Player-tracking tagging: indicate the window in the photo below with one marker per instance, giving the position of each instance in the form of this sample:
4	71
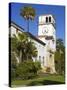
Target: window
49	19
53	41
46	19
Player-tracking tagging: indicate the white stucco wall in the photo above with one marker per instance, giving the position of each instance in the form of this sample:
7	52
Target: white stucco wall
42	19
50	29
41	52
47	29
13	30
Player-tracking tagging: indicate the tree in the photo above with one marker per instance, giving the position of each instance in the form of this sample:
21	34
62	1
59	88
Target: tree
28	13
59	45
18	45
60	56
31	50
23	47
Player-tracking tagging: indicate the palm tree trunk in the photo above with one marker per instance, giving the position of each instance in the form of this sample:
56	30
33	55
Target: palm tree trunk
28	25
17	58
20	55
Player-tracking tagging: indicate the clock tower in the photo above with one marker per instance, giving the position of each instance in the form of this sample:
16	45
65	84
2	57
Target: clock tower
47	34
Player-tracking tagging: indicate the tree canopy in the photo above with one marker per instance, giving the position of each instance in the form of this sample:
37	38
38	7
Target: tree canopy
27	12
60	56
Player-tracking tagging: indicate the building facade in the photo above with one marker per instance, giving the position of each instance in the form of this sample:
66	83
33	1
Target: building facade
45	42
47	34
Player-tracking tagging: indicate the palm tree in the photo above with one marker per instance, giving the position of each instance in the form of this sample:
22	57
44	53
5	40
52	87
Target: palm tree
18	45
31	50
28	13
23	47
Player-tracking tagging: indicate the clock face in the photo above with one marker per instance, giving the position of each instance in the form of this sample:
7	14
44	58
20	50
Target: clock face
45	30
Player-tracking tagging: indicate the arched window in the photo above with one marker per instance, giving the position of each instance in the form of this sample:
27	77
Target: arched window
49	19
46	19
53	41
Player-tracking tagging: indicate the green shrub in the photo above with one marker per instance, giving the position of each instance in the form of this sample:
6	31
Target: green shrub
37	65
13	74
27	69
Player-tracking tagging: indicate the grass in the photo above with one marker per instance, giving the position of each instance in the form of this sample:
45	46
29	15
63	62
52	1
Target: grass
45	80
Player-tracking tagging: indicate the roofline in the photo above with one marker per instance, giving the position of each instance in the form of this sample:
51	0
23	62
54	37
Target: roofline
35	38
16	26
46	14
22	30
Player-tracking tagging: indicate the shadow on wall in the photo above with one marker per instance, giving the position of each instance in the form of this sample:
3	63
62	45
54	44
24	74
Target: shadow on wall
45	82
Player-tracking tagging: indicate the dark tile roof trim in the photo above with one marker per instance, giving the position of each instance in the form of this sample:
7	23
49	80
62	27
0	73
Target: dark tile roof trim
22	30
16	26
35	38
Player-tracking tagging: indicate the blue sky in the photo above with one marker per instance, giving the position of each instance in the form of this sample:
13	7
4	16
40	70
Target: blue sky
57	11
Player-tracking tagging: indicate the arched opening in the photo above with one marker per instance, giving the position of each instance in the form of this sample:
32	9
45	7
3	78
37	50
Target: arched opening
46	19
49	19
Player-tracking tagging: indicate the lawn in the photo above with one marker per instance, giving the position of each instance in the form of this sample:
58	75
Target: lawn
45	80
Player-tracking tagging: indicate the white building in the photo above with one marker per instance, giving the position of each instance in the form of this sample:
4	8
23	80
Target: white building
45	41
47	34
